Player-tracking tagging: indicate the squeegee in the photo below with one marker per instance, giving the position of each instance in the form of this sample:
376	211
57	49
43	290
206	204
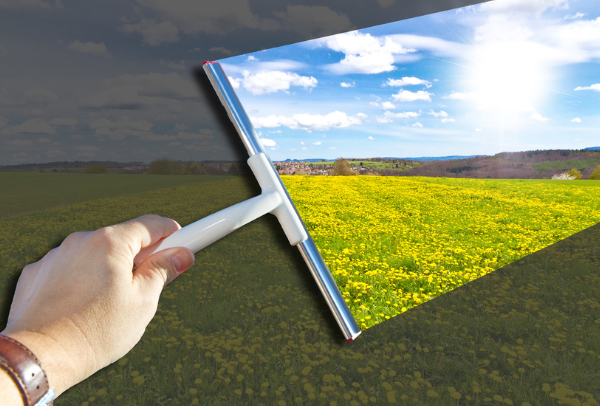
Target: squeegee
273	199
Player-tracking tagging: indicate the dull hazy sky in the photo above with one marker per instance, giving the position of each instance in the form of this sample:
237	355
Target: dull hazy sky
114	80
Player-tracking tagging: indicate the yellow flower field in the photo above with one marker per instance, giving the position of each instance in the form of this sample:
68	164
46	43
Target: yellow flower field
393	243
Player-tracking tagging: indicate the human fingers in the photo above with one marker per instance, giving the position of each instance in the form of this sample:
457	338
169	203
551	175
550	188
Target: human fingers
144	231
159	269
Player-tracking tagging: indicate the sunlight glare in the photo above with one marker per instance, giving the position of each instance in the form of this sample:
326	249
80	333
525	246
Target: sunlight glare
507	77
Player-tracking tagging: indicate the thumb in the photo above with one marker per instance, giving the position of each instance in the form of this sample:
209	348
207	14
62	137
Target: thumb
162	267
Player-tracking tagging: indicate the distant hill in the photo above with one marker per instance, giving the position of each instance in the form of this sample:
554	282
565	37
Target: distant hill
424	158
437	158
592	149
306	160
540	164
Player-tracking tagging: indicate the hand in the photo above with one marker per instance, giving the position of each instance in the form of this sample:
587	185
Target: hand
82	307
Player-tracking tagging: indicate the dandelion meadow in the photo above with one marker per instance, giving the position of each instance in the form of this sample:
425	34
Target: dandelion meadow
393	243
247	326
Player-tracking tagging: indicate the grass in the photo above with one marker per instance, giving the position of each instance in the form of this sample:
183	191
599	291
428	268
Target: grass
247	326
29	192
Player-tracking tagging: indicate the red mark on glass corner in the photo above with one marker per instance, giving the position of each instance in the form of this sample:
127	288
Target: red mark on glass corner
351	339
207	62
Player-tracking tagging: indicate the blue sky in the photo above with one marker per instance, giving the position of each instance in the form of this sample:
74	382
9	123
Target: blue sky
507	75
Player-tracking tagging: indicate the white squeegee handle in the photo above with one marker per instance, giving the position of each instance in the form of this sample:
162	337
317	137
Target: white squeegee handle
274	199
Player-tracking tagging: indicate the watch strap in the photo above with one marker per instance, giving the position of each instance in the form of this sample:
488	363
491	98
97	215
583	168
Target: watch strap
27	372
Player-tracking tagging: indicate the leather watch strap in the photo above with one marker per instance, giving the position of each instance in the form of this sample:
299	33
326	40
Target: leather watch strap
25	369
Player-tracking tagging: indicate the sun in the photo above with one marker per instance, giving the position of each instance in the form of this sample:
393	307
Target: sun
507	77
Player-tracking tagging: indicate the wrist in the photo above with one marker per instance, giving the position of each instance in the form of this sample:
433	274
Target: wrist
10	393
51	358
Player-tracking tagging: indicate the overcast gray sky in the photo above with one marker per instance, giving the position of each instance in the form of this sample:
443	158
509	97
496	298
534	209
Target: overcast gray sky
113	80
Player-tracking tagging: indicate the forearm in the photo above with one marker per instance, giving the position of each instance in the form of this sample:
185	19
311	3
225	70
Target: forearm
9	391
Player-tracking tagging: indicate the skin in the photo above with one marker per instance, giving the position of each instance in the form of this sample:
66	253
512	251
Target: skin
82	307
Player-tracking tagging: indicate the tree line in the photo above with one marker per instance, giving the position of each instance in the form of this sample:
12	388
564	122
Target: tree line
166	166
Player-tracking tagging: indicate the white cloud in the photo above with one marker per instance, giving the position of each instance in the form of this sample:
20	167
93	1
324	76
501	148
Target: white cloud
274	81
522	26
332	147
441	113
317	143
388	116
574	16
404	114
31	126
371	138
91	48
252	58
307	122
267	142
478	130
363	53
388	105
154	33
595	87
362	116
438	47
408	96
407	81
514	8
345	84
417	124
301	142
539	117
235	83
255	65
576	120
447	120
461	96
374	104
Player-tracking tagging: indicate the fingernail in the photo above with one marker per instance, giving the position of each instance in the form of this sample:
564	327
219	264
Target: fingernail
182	261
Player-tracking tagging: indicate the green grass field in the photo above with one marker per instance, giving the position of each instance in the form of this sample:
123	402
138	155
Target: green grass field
28	192
247	326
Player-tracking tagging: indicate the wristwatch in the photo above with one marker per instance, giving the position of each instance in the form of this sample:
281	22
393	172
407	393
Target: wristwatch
25	369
